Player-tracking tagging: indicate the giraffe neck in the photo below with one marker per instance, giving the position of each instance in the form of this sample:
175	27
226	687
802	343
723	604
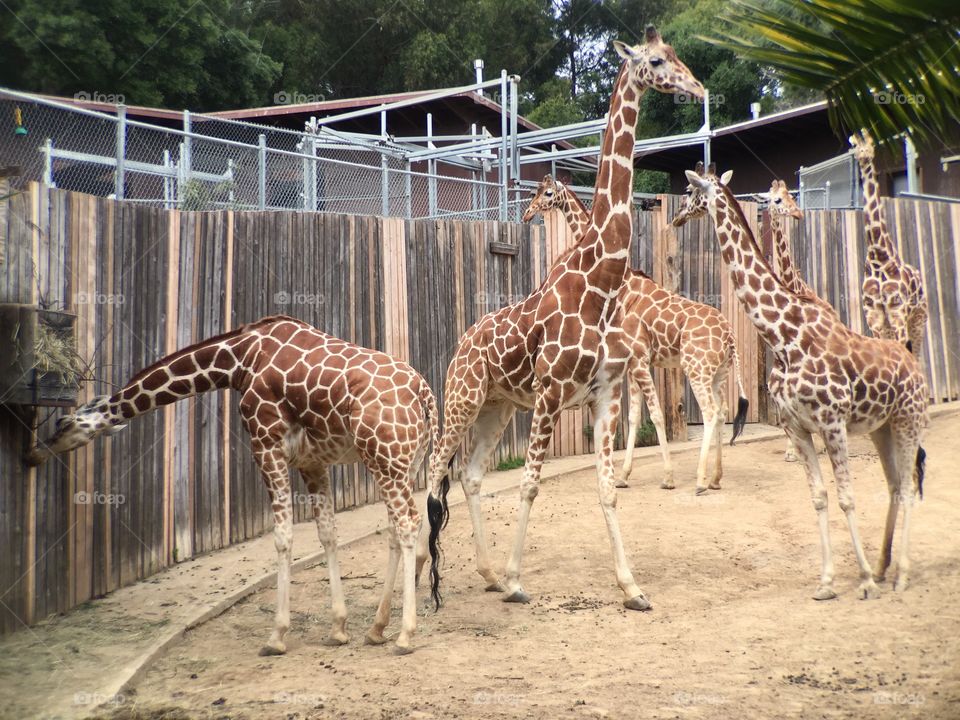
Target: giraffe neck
775	311
216	363
574	212
604	247
781	251
880	248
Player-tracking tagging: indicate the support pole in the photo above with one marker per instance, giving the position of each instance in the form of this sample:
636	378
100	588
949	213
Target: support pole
408	190
504	180
167	181
186	153
262	172
431	172
47	150
120	176
384	170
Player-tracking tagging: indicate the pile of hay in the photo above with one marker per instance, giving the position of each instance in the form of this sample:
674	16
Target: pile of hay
55	351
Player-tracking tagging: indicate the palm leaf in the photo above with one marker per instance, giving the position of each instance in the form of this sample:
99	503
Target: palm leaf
887	65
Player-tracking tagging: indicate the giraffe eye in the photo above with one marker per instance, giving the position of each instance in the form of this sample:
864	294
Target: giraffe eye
656	62
549	193
778	201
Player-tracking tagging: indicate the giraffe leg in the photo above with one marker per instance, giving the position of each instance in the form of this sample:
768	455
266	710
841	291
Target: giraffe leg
790	455
644	385
382	618
909	464
606	408
803	442
318	485
487	431
883	442
632	426
835	439
406	522
703	392
545	412
273	466
719	381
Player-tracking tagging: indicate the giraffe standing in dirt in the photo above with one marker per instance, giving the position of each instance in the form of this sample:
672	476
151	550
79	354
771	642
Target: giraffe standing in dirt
563	345
831	381
892	291
665	330
309	400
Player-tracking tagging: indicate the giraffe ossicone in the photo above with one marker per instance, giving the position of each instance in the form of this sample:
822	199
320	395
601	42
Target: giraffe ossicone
308	400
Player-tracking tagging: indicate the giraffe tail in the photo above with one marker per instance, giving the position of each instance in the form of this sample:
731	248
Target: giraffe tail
921	462
438	513
740	419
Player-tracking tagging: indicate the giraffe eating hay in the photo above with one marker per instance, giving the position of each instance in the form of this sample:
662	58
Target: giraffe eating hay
666	330
829	380
892	290
562	346
309	400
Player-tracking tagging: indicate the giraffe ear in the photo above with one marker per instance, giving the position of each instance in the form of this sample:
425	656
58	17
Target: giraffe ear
695	179
725	178
627	52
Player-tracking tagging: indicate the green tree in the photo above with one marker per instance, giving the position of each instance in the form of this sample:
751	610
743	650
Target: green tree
173	53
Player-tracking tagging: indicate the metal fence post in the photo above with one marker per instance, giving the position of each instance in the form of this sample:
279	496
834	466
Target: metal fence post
503	146
474	200
186	153
514	150
120	175
47	150
231	195
384	169
167	181
826	196
262	172
408	191
431	171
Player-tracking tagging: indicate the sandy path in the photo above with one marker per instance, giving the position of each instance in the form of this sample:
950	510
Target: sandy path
734	631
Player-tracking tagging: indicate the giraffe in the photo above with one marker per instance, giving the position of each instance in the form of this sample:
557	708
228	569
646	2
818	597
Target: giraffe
562	346
831	381
666	330
782	205
892	290
309	400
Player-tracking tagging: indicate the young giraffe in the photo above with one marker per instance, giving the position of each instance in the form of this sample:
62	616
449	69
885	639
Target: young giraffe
309	400
892	290
562	346
828	380
665	330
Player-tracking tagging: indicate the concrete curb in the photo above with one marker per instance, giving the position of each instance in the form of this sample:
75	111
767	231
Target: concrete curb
135	670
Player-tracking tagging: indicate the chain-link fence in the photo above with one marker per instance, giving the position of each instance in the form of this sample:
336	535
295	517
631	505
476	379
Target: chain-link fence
830	185
203	162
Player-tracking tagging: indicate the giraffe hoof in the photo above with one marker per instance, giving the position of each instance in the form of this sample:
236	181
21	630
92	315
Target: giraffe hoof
495	586
335	640
790	457
824	592
272	649
637	603
868	590
701	490
901	584
374	637
517	596
667	485
402	649
715	485
621	483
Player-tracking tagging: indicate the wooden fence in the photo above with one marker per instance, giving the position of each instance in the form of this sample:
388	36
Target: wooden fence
145	281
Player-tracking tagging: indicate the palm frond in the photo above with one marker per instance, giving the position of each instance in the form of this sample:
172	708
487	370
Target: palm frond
892	66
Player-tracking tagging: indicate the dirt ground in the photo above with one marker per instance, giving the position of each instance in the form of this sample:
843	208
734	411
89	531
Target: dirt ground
733	631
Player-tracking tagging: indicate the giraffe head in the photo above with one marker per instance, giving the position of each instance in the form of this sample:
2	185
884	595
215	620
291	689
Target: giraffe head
654	64
694	203
863	146
76	429
781	201
545	197
886	307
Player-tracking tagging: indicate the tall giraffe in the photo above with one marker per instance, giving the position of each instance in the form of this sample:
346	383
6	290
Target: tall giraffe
892	290
562	346
829	380
309	400
665	330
